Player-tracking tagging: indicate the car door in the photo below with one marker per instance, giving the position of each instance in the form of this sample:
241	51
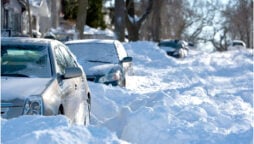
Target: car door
70	88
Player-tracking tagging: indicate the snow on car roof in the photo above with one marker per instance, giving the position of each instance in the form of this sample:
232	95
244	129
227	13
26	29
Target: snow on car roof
238	41
108	41
103	50
18	40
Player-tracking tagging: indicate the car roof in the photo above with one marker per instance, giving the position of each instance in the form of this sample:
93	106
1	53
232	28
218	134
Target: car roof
107	41
20	40
239	41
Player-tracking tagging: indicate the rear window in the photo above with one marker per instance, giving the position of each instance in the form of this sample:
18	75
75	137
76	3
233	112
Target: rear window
94	52
238	44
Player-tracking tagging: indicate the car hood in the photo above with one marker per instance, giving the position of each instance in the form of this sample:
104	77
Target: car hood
20	88
92	68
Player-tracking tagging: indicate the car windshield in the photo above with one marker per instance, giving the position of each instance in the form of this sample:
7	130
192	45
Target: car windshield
95	52
25	61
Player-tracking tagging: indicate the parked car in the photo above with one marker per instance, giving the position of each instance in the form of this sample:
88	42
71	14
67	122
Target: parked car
175	48
236	44
105	61
42	77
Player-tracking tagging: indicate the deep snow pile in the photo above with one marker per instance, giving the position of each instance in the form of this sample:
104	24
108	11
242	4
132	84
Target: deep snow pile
204	98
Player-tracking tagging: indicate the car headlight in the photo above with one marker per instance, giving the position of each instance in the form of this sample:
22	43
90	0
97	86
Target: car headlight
111	76
33	106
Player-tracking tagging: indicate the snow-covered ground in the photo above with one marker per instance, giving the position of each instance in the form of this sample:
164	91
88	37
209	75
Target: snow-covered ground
206	98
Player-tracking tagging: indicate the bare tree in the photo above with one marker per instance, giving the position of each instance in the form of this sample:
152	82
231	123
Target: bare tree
156	20
195	21
205	24
152	29
239	21
174	19
221	43
171	19
119	19
81	17
133	23
199	18
236	23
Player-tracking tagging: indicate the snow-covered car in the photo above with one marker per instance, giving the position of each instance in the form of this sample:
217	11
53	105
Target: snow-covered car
175	48
42	77
236	45
105	61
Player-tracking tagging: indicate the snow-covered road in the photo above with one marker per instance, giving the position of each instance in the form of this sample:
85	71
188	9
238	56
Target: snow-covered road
204	98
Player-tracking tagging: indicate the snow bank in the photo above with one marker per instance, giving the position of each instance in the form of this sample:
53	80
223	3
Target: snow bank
52	130
204	98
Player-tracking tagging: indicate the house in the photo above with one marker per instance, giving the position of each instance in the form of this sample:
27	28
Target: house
14	16
40	18
11	17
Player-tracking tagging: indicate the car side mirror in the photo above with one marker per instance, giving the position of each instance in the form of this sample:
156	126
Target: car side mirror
126	59
72	72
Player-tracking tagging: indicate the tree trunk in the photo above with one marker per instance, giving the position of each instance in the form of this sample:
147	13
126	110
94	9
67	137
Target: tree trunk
156	21
55	12
119	19
81	17
133	30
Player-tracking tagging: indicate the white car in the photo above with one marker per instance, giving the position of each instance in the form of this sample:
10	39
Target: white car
236	45
105	61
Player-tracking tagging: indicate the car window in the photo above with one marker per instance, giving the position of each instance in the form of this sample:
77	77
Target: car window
70	62
61	63
120	50
100	52
29	60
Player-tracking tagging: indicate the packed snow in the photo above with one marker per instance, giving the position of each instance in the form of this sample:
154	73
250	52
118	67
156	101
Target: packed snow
205	98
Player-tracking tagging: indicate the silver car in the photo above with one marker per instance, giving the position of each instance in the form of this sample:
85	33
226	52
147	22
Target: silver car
42	77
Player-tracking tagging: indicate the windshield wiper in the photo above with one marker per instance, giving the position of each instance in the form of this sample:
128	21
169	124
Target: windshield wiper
97	61
14	75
